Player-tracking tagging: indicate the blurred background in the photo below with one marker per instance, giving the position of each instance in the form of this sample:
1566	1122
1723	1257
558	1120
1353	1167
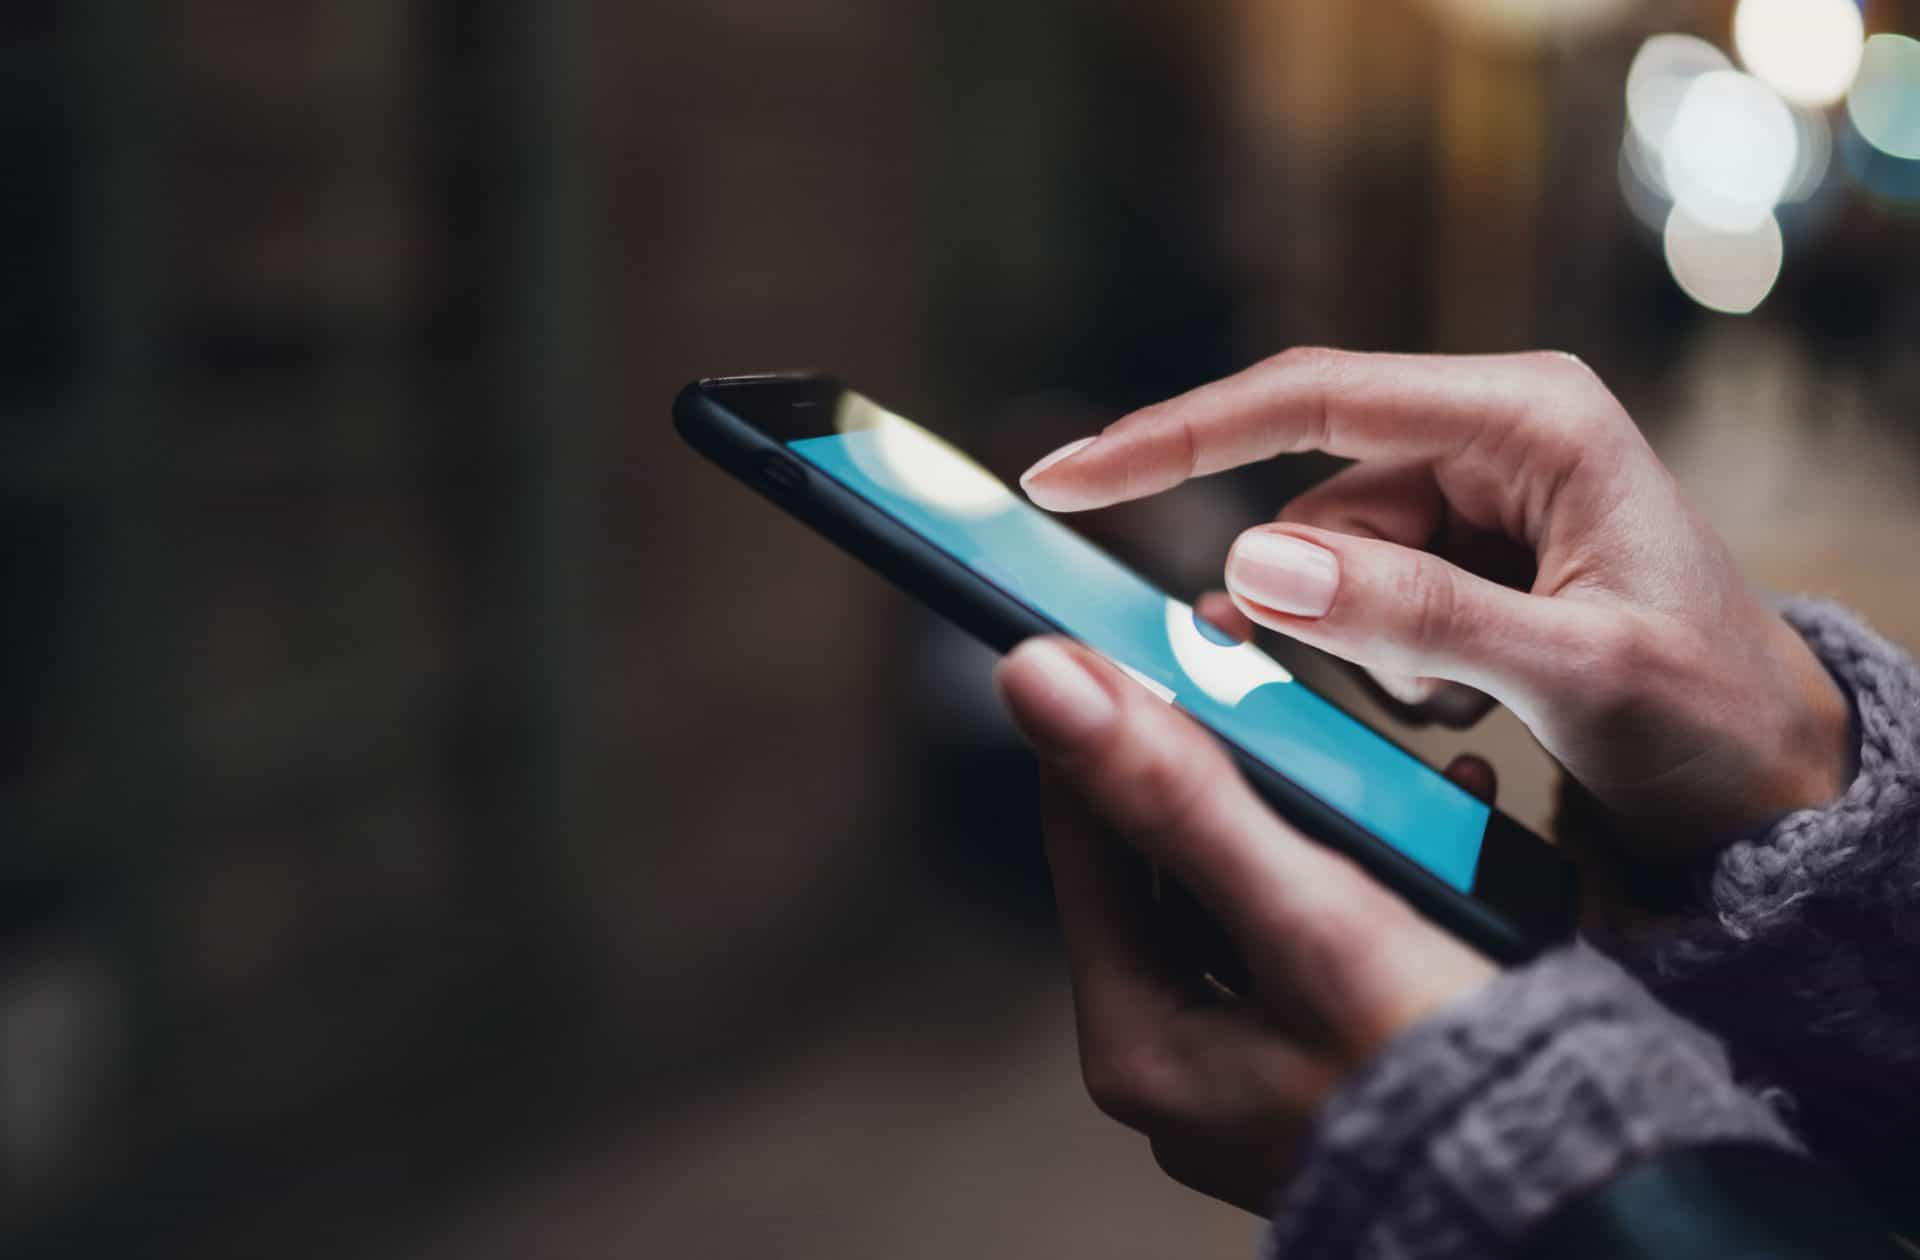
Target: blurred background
444	817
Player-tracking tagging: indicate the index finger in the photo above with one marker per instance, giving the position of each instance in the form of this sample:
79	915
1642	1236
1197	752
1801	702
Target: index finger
1361	406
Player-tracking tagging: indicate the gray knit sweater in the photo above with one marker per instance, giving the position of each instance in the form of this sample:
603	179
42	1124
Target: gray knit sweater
1801	958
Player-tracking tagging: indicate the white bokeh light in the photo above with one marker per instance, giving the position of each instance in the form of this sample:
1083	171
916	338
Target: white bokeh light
1662	71
1806	50
1884	102
1814	156
1730	152
1640	184
1723	271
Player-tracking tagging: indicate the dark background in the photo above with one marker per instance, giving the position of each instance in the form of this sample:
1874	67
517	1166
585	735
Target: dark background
439	815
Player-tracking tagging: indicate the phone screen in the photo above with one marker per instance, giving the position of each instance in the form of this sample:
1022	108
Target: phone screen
1238	690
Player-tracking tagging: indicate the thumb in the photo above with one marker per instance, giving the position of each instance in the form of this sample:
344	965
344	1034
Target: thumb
1163	787
1402	610
1303	917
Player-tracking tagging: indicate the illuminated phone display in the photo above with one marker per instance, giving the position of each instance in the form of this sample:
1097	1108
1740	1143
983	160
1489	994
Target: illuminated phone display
1238	690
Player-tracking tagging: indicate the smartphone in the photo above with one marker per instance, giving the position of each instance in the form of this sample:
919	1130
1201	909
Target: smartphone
936	523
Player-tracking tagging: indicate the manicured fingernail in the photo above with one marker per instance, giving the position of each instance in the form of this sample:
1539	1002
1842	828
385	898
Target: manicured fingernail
1055	701
1065	452
1284	573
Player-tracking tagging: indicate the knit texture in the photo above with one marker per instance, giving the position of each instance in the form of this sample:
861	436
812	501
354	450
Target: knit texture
1803	954
1475	1124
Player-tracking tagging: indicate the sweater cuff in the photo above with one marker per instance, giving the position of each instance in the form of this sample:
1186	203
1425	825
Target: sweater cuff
1849	845
1475	1124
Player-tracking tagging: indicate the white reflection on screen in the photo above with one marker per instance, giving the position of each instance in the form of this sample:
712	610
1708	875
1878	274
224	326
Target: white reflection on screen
1227	672
914	462
1159	690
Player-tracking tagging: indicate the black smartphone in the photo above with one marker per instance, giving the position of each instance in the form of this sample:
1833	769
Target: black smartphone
932	520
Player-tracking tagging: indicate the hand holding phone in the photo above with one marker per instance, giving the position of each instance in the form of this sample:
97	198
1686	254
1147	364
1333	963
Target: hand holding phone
943	528
1336	966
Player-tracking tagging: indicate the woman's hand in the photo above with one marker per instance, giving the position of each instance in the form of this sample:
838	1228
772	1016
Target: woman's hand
1508	530
1225	1089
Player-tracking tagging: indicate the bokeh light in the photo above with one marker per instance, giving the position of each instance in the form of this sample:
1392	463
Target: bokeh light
1728	271
1813	156
1730	152
1806	50
1641	185
1885	178
1530	19
1662	71
1884	102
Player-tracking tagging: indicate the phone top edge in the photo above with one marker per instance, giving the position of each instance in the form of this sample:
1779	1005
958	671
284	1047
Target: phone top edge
706	389
762	378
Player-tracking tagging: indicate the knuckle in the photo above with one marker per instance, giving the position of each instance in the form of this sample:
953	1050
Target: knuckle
1624	651
1562	363
1188	459
1176	1161
1592	424
1570	407
1564	372
1560	439
1431	601
1584	404
1306	358
1619	661
1317	368
1126	1083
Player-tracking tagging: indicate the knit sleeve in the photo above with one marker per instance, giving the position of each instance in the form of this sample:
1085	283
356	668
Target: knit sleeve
1860	849
1476	1124
1802	953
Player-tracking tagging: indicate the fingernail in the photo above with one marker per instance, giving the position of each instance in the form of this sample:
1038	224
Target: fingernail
1284	573
1054	700
1065	452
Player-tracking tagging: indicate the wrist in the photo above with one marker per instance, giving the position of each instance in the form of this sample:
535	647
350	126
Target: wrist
1815	761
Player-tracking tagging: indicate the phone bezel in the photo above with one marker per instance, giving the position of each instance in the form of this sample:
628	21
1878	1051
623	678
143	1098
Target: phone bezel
1523	897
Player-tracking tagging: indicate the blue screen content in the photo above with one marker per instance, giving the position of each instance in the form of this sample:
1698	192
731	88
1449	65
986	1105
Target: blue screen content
1235	688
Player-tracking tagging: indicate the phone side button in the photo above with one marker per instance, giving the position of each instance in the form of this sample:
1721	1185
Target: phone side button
782	473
